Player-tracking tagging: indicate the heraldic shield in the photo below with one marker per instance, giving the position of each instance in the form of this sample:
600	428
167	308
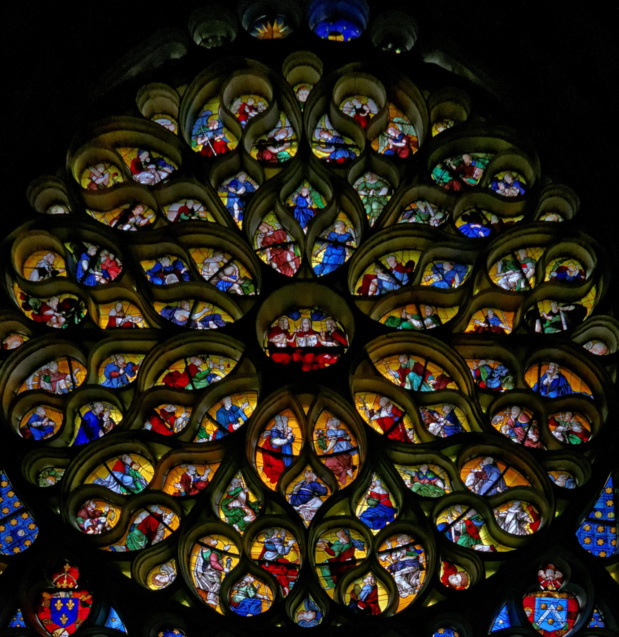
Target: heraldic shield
63	610
552	612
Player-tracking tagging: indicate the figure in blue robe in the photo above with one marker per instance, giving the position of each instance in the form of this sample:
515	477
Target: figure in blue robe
553	383
335	252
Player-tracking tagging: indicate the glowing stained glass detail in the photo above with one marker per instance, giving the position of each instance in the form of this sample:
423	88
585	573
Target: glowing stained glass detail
101	176
460	172
550	380
337	551
302	92
442	125
551	317
366	595
13	340
598	532
336	447
97	516
235	192
399	139
595	347
165	270
387	273
167	419
308	614
444	420
501	620
17	621
147	167
126	474
209	137
93	421
386	417
50	477
92	265
361	108
277	551
464	526
490	374
194	314
59	311
223	271
278	445
270	28
114	622
517	517
425	213
552	613
120	314
331	146
508	183
417	316
276	247
338	24
334	246
149	526
196	372
162	575
129	218
250	596
415	373
377	507
454	576
446	631
426	480
445	275
245	107
189	479
477	223
306	338
41	422
404	558
563	479
238	505
278	145
119	370
597	619
63	608
60	376
187	210
172	632
516	271
165	121
565	269
226	416
488	476
17	528
569	427
58	209
212	558
491	320
42	265
375	192
518	424
552	216
305	202
307	493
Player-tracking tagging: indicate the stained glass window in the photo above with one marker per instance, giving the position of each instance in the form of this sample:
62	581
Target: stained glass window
305	347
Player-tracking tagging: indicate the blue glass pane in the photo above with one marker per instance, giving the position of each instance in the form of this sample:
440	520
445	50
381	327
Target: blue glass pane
18	620
17	529
114	621
597	620
598	532
502	620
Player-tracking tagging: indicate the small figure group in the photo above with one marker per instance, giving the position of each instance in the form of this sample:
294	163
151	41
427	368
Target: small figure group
148	169
44	269
302	341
